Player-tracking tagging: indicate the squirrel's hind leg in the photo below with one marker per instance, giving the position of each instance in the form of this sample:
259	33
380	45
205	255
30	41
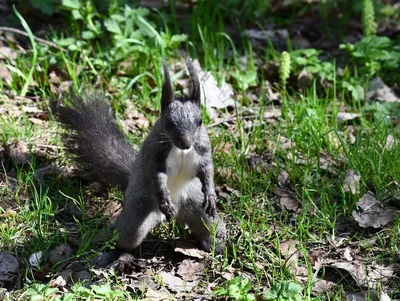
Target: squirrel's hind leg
136	220
191	214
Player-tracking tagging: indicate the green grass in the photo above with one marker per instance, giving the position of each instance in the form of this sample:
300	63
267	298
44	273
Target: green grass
129	71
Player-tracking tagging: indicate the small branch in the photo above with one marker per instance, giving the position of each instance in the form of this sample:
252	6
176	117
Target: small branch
23	33
231	118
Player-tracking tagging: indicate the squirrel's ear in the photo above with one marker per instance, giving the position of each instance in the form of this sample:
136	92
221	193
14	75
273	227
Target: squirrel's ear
167	95
195	87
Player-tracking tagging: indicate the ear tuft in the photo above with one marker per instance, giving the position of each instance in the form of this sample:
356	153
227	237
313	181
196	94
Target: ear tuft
195	88
167	94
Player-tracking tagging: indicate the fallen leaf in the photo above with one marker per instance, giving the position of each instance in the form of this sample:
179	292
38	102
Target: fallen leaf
5	75
372	213
27	109
18	152
364	275
157	295
190	270
380	92
188	249
384	296
345	116
362	296
10	213
36	258
213	96
61	280
323	286
283	178
7	53
177	284
351	182
347	254
289	203
290	253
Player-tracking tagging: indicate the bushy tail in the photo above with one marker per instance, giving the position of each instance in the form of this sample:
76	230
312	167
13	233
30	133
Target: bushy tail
101	148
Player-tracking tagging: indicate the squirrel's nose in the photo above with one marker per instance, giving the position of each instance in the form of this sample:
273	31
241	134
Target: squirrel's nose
184	144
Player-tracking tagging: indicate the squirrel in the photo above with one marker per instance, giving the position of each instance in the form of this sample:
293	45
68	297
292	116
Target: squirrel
170	176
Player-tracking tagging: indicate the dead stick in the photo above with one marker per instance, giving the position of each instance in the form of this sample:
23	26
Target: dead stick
23	33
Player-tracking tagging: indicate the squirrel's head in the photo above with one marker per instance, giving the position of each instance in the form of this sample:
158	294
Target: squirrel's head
181	117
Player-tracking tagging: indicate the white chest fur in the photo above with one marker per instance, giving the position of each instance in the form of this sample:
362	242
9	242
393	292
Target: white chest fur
182	167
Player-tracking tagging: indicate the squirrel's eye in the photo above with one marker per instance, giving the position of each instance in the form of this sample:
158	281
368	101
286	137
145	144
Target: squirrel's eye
200	122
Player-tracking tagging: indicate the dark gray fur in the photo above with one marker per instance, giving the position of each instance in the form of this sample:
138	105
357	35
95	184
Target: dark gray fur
105	154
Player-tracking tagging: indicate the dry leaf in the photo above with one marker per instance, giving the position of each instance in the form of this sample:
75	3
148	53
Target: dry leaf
384	296
345	116
157	295
365	275
188	249
380	92
347	254
18	152
372	213
5	75
351	182
290	253
213	96
10	213
323	286
36	258
190	270
289	203
61	280
177	284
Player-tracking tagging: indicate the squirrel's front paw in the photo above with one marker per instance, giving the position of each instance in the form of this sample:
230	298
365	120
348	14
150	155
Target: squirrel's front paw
210	199
167	209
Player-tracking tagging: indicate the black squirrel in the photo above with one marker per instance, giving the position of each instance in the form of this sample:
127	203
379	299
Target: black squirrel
171	176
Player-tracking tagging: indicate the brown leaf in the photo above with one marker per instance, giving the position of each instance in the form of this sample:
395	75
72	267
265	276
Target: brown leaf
5	75
7	53
177	284
372	213
351	182
289	203
61	280
18	152
290	253
347	254
157	295
381	92
364	275
190	270
10	213
188	249
345	116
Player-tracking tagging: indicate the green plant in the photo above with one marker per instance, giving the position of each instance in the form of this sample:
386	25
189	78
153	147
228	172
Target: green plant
45	6
369	23
308	58
284	67
237	289
377	55
286	290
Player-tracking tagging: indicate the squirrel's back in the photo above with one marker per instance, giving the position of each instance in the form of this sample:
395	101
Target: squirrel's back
99	145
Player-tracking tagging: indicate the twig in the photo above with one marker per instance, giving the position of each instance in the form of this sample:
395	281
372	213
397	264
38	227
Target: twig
231	118
23	33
